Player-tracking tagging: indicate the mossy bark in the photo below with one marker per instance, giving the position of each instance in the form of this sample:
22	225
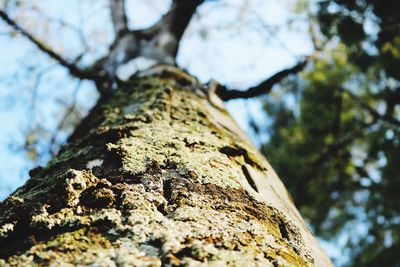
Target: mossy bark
158	174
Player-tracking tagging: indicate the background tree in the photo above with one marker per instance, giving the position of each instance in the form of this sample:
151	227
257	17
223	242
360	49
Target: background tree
342	135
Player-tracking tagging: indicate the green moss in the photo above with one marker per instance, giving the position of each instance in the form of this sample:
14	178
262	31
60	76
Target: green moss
165	190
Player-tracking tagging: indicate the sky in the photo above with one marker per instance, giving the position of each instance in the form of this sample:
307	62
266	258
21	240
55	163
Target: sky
237	42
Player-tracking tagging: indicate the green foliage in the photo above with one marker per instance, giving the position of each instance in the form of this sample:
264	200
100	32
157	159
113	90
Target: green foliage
369	28
305	147
338	147
339	162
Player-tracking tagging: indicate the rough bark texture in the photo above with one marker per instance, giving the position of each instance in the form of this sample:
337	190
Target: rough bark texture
158	174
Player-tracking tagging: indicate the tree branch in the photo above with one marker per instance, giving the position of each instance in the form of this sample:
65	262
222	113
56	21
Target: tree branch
165	35
263	88
159	42
182	12
375	114
118	16
73	69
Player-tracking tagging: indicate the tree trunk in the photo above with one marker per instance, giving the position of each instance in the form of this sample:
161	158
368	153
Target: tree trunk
158	174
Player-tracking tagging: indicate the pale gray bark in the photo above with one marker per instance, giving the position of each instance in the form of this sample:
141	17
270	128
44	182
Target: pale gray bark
118	16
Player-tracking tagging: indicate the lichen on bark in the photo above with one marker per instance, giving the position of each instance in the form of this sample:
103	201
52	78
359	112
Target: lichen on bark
156	175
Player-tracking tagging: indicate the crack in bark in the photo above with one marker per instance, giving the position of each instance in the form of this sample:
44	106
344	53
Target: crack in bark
249	178
237	152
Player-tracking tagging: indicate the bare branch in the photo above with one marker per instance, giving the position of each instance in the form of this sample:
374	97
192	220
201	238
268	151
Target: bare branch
159	42
78	30
313	29
73	69
182	12
64	120
263	88
118	16
36	85
163	37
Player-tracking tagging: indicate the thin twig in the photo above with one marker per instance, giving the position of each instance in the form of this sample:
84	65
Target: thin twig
73	69
36	85
374	113
61	124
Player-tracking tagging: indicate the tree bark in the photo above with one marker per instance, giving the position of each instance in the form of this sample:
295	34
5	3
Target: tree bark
158	174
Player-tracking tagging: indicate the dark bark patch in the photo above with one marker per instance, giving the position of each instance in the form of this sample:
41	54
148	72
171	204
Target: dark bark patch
283	230
249	178
35	171
113	135
98	197
25	238
237	152
274	262
167	190
155	242
147	86
288	233
231	151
